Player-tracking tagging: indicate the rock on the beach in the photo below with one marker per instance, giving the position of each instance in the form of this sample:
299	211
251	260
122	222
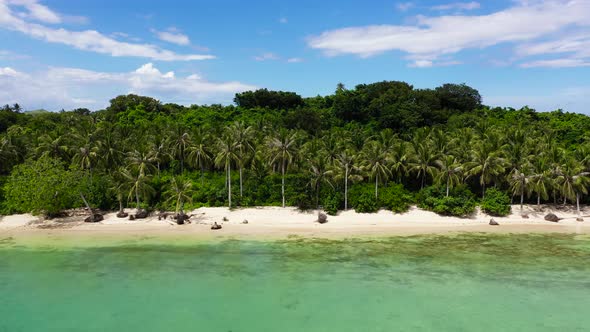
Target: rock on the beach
493	222
141	214
322	218
215	226
181	218
96	217
552	217
525	216
580	219
131	217
122	214
245	221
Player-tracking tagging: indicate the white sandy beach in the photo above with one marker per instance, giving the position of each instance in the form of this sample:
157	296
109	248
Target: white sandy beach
276	222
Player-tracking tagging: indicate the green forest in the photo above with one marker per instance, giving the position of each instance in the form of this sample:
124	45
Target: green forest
382	145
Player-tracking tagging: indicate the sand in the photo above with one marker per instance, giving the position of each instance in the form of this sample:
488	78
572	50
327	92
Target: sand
278	223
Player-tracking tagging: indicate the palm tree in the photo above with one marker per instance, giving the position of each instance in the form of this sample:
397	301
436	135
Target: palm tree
7	153
199	153
283	148
519	180
119	186
53	145
141	162
449	171
540	181
227	152
243	138
400	158
345	161
159	150
319	172
138	184
181	141
573	181
486	163
423	160
376	163
179	191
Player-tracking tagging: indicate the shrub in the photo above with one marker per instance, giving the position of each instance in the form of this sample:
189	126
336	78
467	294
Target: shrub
460	202
332	203
395	198
496	203
366	204
42	186
362	198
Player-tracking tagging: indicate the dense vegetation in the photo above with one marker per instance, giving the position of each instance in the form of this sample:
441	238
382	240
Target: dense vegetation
382	145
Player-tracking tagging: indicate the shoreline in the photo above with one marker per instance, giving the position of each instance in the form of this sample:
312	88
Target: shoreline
275	223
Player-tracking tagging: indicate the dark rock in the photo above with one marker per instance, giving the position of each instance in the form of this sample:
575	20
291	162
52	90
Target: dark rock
245	221
525	216
215	226
322	218
493	222
552	217
122	214
181	218
163	215
225	219
131	217
96	217
141	214
579	219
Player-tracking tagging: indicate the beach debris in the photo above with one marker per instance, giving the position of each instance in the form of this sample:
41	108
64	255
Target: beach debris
493	222
525	216
322	218
552	217
181	218
245	221
579	219
141	214
162	215
215	226
225	219
95	217
131	217
122	214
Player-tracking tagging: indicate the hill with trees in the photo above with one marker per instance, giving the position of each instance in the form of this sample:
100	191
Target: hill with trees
381	145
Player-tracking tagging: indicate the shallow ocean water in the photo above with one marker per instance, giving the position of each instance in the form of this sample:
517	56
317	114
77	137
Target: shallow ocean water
469	282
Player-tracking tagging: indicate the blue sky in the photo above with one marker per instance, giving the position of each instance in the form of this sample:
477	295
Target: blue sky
65	54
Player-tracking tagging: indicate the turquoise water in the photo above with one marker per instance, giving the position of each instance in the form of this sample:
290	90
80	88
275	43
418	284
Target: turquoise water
425	283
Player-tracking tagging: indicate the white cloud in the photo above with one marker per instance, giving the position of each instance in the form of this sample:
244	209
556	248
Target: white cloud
57	88
173	36
266	56
294	60
37	11
89	40
457	6
557	63
283	20
7	71
433	37
572	99
404	6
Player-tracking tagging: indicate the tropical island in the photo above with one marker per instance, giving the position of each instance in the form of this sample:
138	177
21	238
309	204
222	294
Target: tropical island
436	154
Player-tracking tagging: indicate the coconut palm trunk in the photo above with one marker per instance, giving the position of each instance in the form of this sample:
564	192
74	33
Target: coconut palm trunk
377	186
241	192
283	181
346	188
229	184
578	203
